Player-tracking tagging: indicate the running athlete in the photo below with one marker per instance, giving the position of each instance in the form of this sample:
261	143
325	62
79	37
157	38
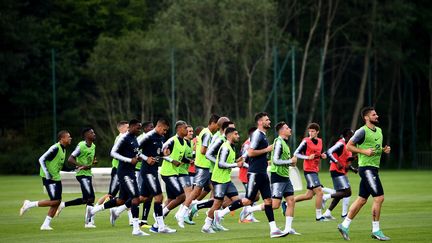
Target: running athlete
202	164
83	158
211	154
221	179
191	169
243	174
184	177
174	149
367	143
51	163
126	150
151	145
114	187
147	127
310	150
281	184
340	163
257	175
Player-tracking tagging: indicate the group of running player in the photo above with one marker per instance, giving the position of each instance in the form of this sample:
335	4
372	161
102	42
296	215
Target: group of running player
191	168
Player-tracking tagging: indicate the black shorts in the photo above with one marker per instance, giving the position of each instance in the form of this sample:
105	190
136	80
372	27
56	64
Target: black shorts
258	182
53	188
114	183
370	183
128	186
86	187
281	186
150	185
173	187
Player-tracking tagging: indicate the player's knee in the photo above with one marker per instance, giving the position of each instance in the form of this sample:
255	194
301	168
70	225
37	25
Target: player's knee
246	202
268	201
379	199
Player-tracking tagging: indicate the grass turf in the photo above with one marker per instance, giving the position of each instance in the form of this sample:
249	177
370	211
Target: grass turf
406	217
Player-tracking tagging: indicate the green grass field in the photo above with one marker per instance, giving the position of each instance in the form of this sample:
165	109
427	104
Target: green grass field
406	217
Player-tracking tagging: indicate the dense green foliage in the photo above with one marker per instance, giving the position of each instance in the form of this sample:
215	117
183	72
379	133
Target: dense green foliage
114	62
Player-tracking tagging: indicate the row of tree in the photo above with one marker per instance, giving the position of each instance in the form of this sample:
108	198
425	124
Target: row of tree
115	60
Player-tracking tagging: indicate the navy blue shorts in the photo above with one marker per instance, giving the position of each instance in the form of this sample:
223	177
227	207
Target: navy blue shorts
258	182
53	188
86	187
370	183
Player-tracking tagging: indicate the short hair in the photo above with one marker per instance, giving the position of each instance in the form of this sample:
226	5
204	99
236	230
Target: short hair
260	115
314	126
61	134
280	125
190	126
213	119
230	130
121	123
346	131
251	130
147	123
180	123
84	130
134	122
222	120
198	129
226	124
163	122
366	110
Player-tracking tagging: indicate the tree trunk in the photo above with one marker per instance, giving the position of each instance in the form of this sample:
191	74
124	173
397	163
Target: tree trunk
430	87
360	99
330	17
305	56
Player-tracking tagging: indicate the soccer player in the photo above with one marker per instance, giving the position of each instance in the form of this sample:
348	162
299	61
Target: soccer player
243	173
147	127
340	159
367	143
126	150
174	149
310	150
281	185
191	169
114	187
51	163
221	179
83	158
202	164
217	140
151	145
183	169
257	175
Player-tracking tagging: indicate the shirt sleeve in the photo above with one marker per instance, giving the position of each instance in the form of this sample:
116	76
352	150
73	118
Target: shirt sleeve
115	151
359	136
76	152
169	144
244	150
206	140
223	156
301	150
277	154
48	155
212	152
255	139
334	149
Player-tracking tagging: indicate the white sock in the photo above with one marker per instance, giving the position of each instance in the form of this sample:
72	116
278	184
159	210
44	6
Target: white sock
328	190
120	209
255	208
135	224
327	212
62	204
318	213
165	210
33	204
130	216
272	226
224	211
208	221
47	221
326	196
375	226
345	204
182	210
97	208
346	223
288	222
160	221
